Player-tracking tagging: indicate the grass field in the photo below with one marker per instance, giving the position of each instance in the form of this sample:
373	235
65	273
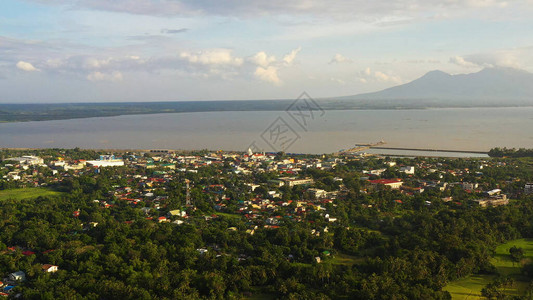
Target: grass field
26	193
470	287
502	261
345	260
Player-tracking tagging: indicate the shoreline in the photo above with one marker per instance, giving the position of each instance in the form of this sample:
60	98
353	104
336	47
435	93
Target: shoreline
430	152
353	108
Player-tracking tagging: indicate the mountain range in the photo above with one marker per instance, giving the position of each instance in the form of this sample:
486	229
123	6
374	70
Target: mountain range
490	86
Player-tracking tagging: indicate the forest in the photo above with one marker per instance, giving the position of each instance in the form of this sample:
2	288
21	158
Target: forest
510	152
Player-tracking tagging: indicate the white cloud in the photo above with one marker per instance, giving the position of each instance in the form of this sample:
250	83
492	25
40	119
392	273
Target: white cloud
385	77
262	59
460	61
113	64
502	58
99	76
268	74
367	75
26	66
212	57
95	63
289	58
267	66
339	59
505	58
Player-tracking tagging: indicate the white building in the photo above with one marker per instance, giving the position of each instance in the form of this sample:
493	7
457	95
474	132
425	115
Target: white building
252	186
528	188
49	268
377	172
470	186
106	161
408	170
27	160
13	176
392	183
292	181
493	192
317	193
17	276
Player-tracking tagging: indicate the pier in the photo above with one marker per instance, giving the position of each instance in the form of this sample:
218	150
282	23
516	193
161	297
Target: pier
429	150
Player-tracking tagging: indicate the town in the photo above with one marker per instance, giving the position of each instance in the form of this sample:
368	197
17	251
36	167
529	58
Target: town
249	193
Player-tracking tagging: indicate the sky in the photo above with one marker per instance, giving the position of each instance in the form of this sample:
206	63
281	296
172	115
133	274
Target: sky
178	50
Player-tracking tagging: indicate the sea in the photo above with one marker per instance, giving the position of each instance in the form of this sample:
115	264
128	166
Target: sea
317	132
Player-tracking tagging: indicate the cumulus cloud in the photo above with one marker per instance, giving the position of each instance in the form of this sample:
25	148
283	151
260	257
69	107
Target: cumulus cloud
503	58
99	76
508	58
112	64
262	59
95	63
339	59
268	74
212	57
267	66
367	75
26	66
460	61
289	58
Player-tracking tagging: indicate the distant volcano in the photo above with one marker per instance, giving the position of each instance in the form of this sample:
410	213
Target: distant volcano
489	85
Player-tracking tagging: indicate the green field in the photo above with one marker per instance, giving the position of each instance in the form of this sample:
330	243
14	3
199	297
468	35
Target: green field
346	260
26	193
470	287
502	261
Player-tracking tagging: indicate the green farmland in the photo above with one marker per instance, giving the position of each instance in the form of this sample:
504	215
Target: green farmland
27	193
470	287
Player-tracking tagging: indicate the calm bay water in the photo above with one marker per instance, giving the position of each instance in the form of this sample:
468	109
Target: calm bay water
452	129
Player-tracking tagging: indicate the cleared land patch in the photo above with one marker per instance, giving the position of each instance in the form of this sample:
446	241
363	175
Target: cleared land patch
470	287
26	193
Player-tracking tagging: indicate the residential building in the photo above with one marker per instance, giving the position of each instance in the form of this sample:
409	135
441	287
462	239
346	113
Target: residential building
294	181
470	186
392	183
528	188
410	170
317	193
49	268
493	201
17	276
27	160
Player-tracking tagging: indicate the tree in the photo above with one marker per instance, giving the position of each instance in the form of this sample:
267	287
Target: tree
516	253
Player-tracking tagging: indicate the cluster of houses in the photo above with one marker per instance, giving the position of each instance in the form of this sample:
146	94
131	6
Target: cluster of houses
161	167
13	279
263	204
